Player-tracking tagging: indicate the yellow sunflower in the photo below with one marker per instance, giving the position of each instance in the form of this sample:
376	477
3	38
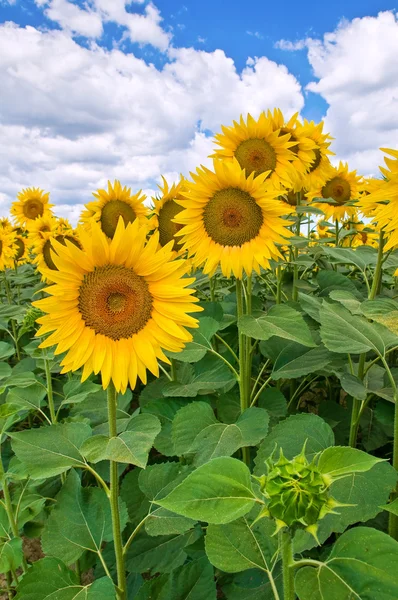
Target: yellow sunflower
324	230
367	203
165	210
232	220
7	248
304	148
116	304
21	255
6	224
320	168
113	203
343	187
364	236
64	225
258	148
41	226
44	250
31	204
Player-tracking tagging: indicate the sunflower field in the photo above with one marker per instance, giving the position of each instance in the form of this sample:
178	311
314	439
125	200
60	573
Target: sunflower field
199	396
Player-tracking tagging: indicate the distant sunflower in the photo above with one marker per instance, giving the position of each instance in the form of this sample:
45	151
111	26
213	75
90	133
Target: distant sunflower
320	168
384	201
64	225
343	187
165	210
232	220
116	304
6	224
258	148
21	255
113	203
31	204
304	148
41	226
364	236
44	249
7	248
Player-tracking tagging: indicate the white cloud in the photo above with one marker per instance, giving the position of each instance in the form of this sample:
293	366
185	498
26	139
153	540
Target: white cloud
357	71
72	18
290	46
94	114
256	34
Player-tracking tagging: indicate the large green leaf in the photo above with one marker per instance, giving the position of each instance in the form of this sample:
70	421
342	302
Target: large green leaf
11	554
383	311
51	450
165	410
237	546
291	435
282	321
80	520
75	391
188	422
50	579
361	566
295	361
209	380
30	397
200	344
340	460
218	492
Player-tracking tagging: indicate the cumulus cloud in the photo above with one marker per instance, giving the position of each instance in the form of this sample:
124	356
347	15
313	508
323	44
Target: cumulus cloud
71	17
94	114
357	71
291	46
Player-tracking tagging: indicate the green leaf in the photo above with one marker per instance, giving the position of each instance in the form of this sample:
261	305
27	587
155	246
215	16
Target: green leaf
347	256
295	361
341	460
392	507
332	280
216	440
6	350
5	370
383	311
131	446
274	402
165	522
236	546
160	554
50	579
165	410
216	378
188	422
310	305
11	554
137	503
49	451
27	397
345	333
347	299
218	492
353	386
361	566
75	391
80	520
282	321
200	344
291	435
194	581
253	425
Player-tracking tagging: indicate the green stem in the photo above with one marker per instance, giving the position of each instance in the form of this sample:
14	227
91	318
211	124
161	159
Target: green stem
50	395
379	269
286	549
356	407
9	585
337	233
248	356
278	284
221	339
136	530
13	327
173	370
10	513
114	498
244	401
296	253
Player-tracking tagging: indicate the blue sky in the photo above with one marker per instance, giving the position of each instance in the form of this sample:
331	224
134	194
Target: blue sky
215	58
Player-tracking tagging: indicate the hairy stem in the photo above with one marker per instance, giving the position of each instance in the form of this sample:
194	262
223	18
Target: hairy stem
244	400
286	549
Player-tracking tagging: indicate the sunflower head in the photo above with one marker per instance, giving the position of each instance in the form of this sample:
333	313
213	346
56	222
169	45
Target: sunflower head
342	189
166	208
44	249
232	220
64	225
258	148
116	304
21	255
6	224
31	203
319	169
115	202
363	236
8	248
41	227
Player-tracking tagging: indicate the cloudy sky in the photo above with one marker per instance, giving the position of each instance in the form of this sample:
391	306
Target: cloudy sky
129	89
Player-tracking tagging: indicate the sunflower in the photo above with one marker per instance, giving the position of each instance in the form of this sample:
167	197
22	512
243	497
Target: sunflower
343	187
116	304
31	204
364	236
324	229
7	248
21	254
304	148
165	210
113	203
41	226
6	224
44	250
258	148
367	203
320	169
232	220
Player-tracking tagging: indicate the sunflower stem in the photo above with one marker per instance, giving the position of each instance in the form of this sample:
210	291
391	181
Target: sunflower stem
243	387
337	232
114	498
13	327
278	284
286	550
378	270
173	369
296	253
356	407
50	396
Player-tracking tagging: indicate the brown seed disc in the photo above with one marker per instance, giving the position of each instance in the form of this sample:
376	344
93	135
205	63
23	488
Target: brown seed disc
33	208
168	229
110	214
256	155
337	188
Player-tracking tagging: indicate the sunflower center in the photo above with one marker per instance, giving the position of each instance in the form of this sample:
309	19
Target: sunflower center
33	208
317	160
337	188
256	155
168	229
48	249
115	301
232	217
20	249
110	214
284	131
291	197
